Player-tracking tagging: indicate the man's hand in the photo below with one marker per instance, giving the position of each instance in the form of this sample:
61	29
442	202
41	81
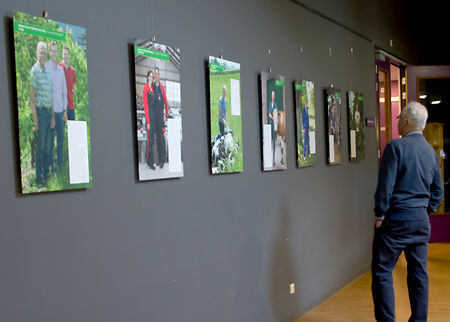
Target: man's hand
36	126
148	127
65	116
378	223
52	123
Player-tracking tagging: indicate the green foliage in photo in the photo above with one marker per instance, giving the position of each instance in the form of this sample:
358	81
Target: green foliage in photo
25	57
304	96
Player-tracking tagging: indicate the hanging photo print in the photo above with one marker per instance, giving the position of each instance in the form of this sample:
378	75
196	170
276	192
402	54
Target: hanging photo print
356	126
53	104
306	123
333	103
158	110
273	98
225	116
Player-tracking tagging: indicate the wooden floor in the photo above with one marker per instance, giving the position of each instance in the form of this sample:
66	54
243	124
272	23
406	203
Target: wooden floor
354	303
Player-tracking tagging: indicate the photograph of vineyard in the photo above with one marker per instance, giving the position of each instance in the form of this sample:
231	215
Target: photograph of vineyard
29	31
225	116
306	123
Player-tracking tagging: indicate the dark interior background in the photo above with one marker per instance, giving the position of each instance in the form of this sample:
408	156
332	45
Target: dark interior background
438	89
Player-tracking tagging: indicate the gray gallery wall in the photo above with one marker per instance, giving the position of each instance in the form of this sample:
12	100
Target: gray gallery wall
200	248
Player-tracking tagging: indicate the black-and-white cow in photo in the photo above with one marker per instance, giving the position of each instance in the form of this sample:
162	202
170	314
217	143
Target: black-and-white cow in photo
223	147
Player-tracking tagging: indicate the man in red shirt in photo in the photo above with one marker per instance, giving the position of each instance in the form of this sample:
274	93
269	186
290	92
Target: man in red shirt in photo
71	80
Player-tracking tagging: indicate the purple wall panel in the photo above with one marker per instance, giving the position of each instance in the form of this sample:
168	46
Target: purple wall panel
383	64
440	228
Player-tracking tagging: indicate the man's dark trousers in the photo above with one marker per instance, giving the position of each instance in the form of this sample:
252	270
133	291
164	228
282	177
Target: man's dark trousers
390	240
43	156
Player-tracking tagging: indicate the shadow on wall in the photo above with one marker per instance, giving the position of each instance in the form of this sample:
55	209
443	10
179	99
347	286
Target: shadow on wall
283	271
9	35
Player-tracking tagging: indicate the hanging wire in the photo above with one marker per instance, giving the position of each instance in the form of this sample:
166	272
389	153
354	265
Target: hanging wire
153	21
299	77
45	12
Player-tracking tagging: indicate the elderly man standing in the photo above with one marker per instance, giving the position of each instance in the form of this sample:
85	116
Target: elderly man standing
273	116
305	123
59	95
41	107
409	188
223	115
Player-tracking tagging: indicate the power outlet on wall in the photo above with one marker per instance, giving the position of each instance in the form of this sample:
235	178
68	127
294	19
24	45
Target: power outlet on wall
292	288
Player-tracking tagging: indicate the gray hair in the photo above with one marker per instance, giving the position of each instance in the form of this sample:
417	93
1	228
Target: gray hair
224	87
416	114
40	44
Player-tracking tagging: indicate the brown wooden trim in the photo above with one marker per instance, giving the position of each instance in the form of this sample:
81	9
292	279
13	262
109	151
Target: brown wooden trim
439	214
403	88
387	106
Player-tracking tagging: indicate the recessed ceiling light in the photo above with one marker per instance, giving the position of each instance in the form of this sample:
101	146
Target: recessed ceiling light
423	96
436	102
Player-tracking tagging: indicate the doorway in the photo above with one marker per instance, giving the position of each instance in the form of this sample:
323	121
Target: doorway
434	93
384	111
391	96
430	85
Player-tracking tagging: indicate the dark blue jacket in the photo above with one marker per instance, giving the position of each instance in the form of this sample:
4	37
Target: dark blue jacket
409	181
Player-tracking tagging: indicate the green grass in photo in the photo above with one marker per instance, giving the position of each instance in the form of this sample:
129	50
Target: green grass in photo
217	80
